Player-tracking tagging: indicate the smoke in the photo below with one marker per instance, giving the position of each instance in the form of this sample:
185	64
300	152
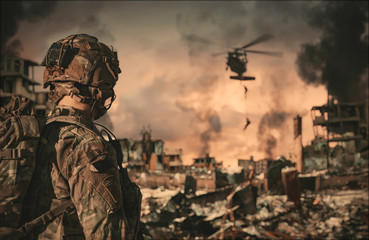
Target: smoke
207	117
270	123
197	25
216	27
49	21
91	22
12	12
60	17
211	133
339	60
206	29
159	75
14	48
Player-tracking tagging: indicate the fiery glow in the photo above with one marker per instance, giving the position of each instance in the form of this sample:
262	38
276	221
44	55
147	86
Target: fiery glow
177	87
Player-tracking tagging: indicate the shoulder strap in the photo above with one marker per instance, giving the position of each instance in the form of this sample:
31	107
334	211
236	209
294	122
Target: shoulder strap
71	121
114	142
47	217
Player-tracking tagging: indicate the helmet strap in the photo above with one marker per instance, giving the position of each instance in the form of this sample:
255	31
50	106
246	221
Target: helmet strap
92	107
68	89
109	68
94	93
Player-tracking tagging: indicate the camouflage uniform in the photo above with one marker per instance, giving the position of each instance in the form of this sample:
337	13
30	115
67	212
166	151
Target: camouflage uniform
81	166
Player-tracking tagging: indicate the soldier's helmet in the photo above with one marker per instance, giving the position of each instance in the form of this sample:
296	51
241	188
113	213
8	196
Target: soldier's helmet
84	68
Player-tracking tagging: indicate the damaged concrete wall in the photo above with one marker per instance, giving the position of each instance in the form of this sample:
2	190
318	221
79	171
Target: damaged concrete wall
315	156
296	153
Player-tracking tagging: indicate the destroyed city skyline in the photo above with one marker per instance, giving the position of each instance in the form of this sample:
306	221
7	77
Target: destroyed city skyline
173	84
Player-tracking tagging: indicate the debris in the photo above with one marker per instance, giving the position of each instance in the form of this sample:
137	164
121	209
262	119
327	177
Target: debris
246	199
190	185
275	185
332	213
291	185
333	222
251	230
277	235
196	226
230	212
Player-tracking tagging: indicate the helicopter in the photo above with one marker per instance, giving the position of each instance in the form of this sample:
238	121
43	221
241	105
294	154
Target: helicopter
237	60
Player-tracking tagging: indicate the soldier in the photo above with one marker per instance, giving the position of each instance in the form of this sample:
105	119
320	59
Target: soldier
79	164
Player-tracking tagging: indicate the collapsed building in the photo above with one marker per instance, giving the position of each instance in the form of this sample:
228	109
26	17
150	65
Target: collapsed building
338	155
149	154
341	138
206	163
18	78
321	191
289	207
345	125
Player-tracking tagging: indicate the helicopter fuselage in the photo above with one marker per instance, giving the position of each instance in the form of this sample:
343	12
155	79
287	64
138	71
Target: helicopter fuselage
237	62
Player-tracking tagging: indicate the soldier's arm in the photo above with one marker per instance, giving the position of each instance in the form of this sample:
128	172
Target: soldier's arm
93	179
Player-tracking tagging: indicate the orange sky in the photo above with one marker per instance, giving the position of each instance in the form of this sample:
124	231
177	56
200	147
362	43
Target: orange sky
175	85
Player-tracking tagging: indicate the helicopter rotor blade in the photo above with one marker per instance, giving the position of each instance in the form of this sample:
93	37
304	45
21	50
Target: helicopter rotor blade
274	54
260	39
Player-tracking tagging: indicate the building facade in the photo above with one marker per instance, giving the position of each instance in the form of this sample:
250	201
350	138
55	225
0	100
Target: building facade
17	78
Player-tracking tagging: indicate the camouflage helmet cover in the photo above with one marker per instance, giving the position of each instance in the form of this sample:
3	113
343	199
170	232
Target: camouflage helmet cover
82	59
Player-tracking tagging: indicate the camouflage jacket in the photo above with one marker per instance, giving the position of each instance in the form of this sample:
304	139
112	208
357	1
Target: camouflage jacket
81	166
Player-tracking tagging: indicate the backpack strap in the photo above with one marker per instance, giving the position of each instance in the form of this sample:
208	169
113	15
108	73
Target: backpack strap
15	153
70	116
47	217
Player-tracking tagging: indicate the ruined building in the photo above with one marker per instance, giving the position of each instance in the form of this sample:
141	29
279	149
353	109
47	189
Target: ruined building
207	163
17	78
148	153
172	160
343	122
341	136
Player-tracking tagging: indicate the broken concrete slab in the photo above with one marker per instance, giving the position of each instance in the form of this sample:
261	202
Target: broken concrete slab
291	185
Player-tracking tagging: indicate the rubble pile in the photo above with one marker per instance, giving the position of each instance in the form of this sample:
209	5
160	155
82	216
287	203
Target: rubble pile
330	214
169	214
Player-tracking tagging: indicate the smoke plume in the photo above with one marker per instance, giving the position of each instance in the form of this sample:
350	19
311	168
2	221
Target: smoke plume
208	117
55	20
12	12
14	48
340	58
269	122
207	30
214	128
